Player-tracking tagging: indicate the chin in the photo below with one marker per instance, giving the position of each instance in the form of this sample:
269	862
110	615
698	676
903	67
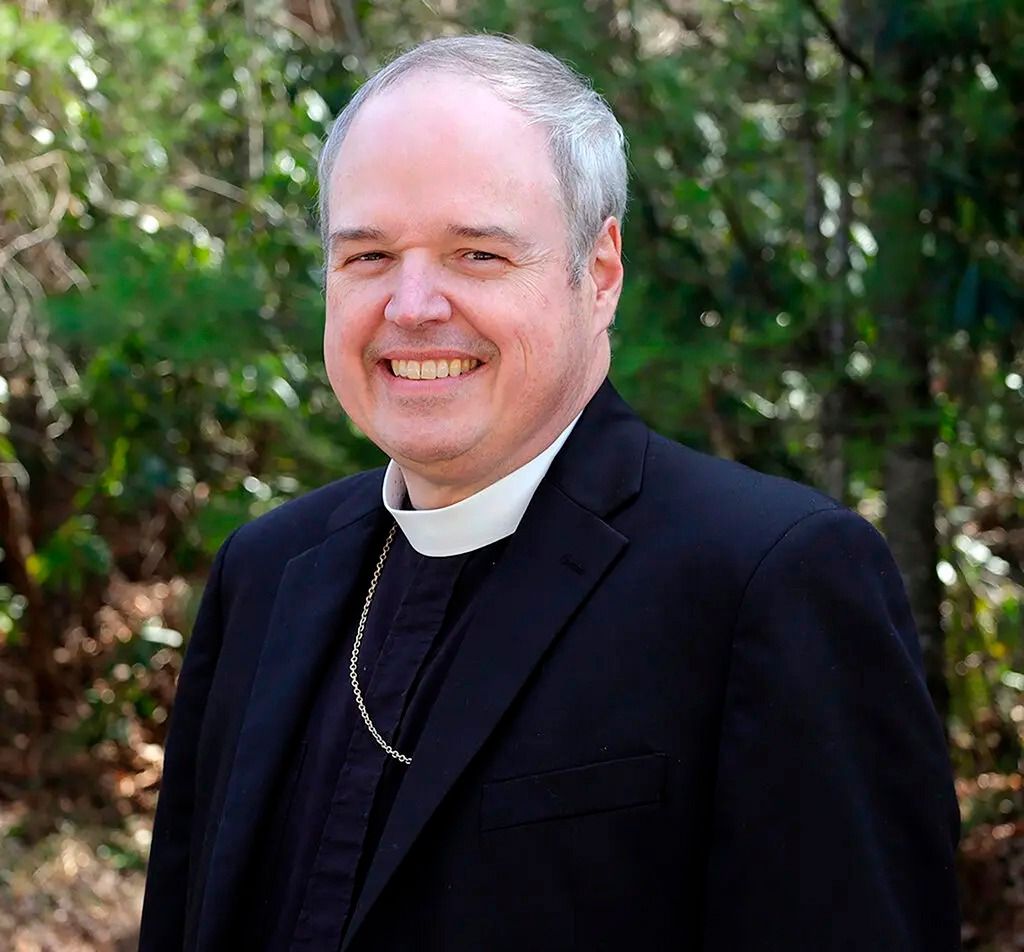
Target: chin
423	449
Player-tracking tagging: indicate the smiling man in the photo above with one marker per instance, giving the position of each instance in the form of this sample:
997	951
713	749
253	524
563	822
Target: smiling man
549	681
460	336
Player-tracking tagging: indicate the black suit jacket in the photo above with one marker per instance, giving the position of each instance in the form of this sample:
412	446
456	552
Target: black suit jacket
689	714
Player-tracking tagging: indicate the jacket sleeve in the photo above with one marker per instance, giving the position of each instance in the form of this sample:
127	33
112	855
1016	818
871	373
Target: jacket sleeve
835	822
168	877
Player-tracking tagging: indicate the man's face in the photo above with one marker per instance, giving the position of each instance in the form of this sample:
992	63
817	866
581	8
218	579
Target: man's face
454	338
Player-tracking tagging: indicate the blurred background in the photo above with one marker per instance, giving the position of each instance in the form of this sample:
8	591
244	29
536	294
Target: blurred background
825	280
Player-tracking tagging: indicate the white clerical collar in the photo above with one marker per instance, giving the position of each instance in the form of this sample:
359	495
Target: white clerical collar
478	520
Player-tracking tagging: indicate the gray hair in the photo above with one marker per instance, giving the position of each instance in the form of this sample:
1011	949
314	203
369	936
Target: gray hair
588	148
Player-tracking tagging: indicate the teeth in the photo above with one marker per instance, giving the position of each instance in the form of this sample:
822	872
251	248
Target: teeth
432	369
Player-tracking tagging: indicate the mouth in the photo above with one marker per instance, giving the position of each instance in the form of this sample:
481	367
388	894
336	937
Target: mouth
432	369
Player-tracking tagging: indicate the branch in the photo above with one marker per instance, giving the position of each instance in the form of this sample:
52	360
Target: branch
747	247
23	172
196	179
690	22
845	50
353	34
298	27
252	99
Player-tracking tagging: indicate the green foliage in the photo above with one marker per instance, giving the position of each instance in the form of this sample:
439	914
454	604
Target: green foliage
169	378
12	608
70	556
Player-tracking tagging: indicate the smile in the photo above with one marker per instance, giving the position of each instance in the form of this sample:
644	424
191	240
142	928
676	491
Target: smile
433	369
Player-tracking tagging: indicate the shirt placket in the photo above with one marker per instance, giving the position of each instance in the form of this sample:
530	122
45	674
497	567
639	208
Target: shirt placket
328	897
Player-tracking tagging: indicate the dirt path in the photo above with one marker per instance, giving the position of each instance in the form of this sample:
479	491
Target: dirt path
76	890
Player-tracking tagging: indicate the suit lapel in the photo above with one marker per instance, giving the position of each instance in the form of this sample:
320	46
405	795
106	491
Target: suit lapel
305	625
560	552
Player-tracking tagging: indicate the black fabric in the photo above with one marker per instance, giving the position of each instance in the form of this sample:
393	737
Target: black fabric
616	785
687	712
338	792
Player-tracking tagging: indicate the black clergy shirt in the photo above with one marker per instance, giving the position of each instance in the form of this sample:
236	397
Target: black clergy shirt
331	809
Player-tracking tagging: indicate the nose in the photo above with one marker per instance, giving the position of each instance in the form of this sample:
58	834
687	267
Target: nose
416	298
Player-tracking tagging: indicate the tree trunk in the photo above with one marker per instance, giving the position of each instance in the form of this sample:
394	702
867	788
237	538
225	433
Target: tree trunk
899	299
828	315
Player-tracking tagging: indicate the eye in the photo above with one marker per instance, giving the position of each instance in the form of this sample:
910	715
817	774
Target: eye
483	256
367	256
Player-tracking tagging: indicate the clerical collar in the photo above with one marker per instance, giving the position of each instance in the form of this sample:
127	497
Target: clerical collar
478	520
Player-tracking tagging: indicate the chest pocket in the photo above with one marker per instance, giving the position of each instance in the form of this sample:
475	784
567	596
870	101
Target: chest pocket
576	791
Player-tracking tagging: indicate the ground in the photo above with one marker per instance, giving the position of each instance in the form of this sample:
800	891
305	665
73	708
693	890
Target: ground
78	889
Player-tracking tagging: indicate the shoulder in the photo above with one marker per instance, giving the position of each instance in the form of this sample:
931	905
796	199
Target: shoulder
731	524
301	523
720	498
774	545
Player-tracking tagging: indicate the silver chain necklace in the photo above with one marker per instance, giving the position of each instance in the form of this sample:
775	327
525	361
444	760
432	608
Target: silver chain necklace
355	656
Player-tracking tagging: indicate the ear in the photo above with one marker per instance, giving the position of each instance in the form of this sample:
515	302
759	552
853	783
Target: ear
606	272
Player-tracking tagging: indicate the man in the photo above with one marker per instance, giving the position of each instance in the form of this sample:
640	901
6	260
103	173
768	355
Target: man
551	681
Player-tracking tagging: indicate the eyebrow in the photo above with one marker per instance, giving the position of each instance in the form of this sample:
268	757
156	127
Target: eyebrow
358	233
471	232
492	232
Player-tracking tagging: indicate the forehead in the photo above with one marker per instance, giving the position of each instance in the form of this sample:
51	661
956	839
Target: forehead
445	143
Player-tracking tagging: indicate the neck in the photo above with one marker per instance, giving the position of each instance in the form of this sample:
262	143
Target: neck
427	494
436	488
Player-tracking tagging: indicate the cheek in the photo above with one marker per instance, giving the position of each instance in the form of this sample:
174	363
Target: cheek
348	326
332	358
341	351
333	346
